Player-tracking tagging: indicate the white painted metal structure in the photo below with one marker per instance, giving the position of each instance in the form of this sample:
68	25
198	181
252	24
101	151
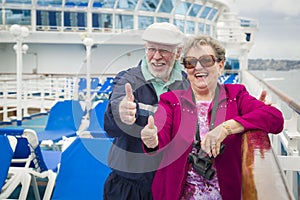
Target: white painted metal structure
60	26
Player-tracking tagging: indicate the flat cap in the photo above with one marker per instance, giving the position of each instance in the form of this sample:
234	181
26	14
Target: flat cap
163	33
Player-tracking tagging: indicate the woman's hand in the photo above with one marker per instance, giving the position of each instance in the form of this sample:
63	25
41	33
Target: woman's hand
212	141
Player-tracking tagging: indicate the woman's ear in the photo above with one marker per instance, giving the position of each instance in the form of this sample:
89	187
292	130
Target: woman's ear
178	53
221	65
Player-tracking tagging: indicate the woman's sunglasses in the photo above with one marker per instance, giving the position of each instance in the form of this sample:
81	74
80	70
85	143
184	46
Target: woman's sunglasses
205	61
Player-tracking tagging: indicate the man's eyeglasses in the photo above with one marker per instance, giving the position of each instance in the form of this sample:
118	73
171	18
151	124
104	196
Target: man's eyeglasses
163	52
205	61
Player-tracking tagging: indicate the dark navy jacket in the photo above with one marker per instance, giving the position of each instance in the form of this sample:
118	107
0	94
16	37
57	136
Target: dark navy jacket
126	156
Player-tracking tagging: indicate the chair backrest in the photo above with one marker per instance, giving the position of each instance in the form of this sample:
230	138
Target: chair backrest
82	84
65	115
107	86
97	116
229	78
6	155
94	82
27	149
83	169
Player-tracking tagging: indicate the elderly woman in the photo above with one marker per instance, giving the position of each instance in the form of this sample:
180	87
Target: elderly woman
209	112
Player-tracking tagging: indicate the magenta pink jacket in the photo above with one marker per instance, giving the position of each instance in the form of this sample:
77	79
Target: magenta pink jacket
176	120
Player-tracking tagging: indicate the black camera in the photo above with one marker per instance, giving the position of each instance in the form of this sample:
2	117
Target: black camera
201	161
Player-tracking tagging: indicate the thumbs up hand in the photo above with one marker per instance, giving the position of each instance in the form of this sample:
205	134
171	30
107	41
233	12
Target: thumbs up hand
263	98
149	134
127	107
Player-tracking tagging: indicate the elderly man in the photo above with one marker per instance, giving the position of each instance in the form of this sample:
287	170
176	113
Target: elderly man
135	96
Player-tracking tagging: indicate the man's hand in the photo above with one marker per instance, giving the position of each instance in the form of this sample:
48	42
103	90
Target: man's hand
127	107
263	96
149	134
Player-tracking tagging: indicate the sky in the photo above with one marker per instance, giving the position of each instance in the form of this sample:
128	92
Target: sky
278	36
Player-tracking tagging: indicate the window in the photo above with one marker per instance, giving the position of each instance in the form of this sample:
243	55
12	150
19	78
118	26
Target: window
205	12
102	20
145	21
49	2
72	3
18	1
182	8
149	5
180	24
212	14
207	29
200	28
107	3
194	11
48	18
124	21
127	5
162	19
166	6
190	27
70	19
14	16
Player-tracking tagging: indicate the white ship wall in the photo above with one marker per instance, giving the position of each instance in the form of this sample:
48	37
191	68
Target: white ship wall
71	58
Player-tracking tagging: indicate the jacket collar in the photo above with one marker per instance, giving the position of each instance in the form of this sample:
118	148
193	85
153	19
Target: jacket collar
187	96
222	94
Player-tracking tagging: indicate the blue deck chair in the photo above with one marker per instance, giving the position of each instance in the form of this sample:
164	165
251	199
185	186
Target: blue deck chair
94	86
94	83
64	120
222	79
231	79
83	170
107	86
96	122
27	165
6	155
82	84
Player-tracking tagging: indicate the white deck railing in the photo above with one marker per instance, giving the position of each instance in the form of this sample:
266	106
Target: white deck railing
39	92
287	144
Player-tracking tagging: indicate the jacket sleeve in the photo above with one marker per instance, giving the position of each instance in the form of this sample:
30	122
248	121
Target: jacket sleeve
163	119
255	114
